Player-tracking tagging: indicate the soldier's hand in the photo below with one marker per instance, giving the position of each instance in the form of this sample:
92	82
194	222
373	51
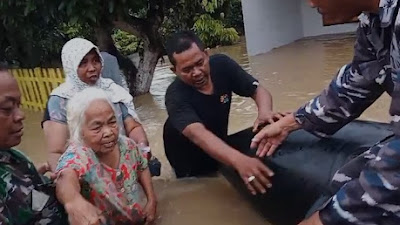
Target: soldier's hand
267	118
271	136
43	168
268	139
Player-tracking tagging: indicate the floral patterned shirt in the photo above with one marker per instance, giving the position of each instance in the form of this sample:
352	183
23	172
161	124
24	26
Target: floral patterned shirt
114	190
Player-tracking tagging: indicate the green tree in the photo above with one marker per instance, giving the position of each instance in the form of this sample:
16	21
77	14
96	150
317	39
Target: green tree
213	32
41	27
25	20
29	39
141	18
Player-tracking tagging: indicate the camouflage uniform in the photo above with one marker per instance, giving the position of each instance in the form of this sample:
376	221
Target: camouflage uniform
368	186
25	196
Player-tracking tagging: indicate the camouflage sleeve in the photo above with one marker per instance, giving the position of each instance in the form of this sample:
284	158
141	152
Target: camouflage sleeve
355	87
373	198
3	214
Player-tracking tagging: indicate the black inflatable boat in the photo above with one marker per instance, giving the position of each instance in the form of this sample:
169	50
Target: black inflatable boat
304	166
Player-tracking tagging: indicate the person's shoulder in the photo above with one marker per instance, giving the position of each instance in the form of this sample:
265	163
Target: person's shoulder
56	98
129	143
60	101
220	58
19	155
77	149
177	87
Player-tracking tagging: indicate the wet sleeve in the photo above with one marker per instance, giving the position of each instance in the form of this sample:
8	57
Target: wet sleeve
355	88
75	159
56	110
373	198
243	84
180	112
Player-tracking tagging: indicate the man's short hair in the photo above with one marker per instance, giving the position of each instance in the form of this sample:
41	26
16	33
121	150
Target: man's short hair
180	42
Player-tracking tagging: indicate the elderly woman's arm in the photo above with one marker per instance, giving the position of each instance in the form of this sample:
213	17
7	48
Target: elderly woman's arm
56	135
134	130
151	206
80	211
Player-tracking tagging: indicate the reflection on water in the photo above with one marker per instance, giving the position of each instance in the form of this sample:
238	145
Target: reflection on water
293	74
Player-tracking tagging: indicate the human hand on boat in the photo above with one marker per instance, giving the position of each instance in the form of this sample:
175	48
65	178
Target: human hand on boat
267	118
150	211
82	212
270	137
254	174
312	220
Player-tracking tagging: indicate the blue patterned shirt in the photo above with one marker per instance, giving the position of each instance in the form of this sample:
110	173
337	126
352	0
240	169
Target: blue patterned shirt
369	186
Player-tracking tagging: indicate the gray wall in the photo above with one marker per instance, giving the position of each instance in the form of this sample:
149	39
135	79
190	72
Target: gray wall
312	23
267	24
273	23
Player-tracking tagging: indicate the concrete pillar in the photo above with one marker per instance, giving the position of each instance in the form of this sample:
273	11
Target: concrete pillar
273	23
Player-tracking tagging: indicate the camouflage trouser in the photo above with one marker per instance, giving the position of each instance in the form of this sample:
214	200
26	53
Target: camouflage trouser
366	189
351	170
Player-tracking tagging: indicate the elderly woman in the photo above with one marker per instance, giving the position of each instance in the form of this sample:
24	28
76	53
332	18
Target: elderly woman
26	197
83	65
101	169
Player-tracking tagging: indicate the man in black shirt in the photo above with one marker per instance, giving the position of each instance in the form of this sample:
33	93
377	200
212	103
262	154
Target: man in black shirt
198	104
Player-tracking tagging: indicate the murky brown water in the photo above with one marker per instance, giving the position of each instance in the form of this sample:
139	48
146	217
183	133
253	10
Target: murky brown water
293	74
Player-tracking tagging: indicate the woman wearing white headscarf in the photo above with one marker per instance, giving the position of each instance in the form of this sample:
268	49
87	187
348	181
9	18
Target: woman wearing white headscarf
83	65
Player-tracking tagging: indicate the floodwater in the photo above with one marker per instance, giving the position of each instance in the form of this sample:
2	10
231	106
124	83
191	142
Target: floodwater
293	74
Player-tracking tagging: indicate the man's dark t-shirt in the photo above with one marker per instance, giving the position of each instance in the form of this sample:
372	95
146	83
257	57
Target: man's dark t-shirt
186	105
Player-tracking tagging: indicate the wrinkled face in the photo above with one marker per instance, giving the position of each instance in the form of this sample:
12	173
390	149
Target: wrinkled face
90	67
100	128
340	11
192	67
11	116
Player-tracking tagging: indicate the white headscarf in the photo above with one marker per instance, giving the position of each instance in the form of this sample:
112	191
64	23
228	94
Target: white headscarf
71	56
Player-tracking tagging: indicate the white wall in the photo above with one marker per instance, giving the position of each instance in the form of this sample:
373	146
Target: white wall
271	23
312	23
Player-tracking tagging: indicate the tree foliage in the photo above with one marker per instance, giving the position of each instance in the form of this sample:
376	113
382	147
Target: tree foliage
213	32
126	43
29	39
35	30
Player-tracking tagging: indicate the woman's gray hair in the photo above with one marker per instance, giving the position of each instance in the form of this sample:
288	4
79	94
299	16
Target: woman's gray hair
77	107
